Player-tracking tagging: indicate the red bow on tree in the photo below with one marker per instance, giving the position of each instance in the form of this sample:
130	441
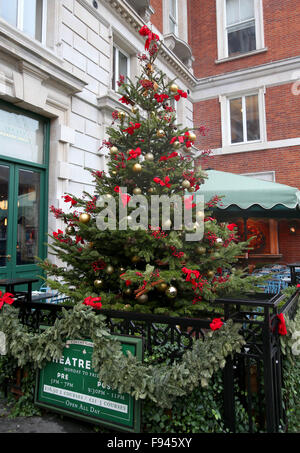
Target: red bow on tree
161	97
124	197
188	203
93	302
145	31
189	273
134	153
132	128
68	198
161	182
180	94
173	154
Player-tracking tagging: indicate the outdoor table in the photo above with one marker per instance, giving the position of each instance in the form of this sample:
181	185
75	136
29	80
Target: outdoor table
294	274
9	285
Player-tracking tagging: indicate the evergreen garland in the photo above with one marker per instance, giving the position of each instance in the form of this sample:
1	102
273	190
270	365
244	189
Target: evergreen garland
160	383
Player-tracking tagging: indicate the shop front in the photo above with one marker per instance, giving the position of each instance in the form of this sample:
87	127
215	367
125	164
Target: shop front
265	212
24	152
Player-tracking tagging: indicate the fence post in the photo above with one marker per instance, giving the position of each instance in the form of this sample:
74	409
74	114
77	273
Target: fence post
269	352
229	405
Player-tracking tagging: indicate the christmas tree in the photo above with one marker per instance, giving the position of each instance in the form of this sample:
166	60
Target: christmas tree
108	263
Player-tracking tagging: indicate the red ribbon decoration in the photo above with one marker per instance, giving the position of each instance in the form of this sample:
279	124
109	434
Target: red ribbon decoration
134	153
161	182
124	197
145	31
180	94
189	273
188	203
173	154
132	128
6	299
281	325
93	302
216	324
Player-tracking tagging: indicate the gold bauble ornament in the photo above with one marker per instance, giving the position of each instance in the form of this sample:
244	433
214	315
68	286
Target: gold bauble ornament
142	299
98	283
113	150
137	168
200	250
70	229
210	274
137	191
152	190
192	136
149	157
171	292
127	291
84	218
121	116
134	110
186	184
109	269
174	88
160	133
162	287
176	144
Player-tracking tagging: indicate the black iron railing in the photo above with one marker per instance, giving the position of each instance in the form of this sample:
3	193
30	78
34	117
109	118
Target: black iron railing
254	376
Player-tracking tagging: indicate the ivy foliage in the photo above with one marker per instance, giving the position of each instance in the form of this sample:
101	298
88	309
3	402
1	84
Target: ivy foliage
290	347
160	383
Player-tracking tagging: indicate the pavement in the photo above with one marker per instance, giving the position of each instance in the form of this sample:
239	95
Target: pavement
48	422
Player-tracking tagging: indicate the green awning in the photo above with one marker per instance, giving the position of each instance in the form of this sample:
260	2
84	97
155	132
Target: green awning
245	192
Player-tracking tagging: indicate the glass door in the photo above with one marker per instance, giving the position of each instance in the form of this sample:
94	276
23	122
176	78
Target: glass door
22	220
6	208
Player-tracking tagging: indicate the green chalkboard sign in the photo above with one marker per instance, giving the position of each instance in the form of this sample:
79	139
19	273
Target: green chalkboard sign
70	386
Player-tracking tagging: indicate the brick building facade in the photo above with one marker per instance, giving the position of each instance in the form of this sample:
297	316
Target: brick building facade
247	65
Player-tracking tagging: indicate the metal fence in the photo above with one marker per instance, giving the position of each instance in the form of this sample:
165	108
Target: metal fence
253	377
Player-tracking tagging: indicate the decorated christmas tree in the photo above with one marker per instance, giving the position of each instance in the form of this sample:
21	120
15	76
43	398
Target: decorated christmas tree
109	262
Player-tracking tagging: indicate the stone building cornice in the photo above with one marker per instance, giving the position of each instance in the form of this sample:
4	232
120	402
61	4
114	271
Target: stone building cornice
135	22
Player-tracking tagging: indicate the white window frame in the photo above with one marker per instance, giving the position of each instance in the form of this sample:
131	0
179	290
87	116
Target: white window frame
229	147
173	19
20	20
116	64
222	30
262	175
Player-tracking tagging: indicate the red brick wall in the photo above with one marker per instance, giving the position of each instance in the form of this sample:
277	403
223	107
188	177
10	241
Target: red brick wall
281	27
208	114
284	161
157	17
282	112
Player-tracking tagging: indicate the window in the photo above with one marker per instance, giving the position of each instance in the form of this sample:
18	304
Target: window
240	27
121	62
26	15
244	119
173	17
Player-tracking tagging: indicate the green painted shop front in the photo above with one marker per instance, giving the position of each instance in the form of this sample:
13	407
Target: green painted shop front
24	157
